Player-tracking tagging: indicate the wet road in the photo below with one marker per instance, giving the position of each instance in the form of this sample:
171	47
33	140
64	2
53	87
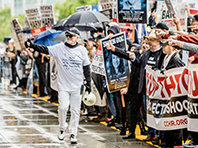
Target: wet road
28	122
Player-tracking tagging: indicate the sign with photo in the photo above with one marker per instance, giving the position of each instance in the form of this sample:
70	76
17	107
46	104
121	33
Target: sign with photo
132	11
116	68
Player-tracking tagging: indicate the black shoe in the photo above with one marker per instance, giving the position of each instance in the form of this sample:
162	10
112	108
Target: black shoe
144	132
155	141
123	131
55	101
148	138
43	95
50	99
129	136
162	144
111	123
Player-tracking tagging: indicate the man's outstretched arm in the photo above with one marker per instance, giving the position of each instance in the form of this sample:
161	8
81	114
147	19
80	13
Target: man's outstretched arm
39	48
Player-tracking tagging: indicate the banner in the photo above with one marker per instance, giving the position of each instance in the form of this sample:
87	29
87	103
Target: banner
116	68
172	98
97	66
132	11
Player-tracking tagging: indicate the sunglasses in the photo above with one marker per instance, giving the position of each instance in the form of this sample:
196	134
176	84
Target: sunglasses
69	35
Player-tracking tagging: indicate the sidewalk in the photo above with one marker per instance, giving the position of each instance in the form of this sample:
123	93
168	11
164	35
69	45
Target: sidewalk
32	122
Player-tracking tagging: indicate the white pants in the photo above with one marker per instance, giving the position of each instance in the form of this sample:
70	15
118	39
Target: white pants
73	99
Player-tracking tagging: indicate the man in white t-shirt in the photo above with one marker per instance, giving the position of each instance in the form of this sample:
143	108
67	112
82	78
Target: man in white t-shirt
72	62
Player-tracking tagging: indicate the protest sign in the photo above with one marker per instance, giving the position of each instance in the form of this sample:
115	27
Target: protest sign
132	11
34	20
116	68
165	14
97	66
107	13
47	16
172	98
193	6
170	6
17	34
106	4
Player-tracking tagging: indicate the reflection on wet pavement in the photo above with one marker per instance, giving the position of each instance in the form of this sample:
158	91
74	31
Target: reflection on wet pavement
27	122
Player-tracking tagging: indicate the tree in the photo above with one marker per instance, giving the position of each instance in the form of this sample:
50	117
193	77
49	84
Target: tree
5	19
67	7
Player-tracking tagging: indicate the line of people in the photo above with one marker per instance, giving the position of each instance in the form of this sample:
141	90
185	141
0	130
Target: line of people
161	50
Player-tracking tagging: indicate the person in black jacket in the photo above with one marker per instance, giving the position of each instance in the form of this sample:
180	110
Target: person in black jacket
152	57
171	60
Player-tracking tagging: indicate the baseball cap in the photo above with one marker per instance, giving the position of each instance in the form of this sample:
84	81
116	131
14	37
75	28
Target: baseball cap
73	31
161	25
11	41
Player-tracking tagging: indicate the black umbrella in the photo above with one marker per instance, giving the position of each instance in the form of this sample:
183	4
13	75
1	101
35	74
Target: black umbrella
88	27
86	17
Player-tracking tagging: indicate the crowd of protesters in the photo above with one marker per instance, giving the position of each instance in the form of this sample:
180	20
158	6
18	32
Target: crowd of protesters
161	49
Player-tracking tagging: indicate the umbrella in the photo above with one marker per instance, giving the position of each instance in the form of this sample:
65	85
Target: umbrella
88	27
46	37
60	25
60	37
86	17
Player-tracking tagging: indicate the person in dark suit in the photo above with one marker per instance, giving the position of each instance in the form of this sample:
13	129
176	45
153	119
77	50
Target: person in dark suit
152	57
171	60
131	95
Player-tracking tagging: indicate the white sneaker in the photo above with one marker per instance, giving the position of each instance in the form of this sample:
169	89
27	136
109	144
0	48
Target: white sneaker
61	135
73	139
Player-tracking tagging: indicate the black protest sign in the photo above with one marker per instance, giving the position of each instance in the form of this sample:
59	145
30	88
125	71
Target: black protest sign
116	68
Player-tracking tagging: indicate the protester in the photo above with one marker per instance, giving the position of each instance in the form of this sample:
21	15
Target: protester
152	57
171	60
72	60
134	101
9	61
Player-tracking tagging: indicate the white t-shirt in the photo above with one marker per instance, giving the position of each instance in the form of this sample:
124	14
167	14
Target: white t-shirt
70	62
